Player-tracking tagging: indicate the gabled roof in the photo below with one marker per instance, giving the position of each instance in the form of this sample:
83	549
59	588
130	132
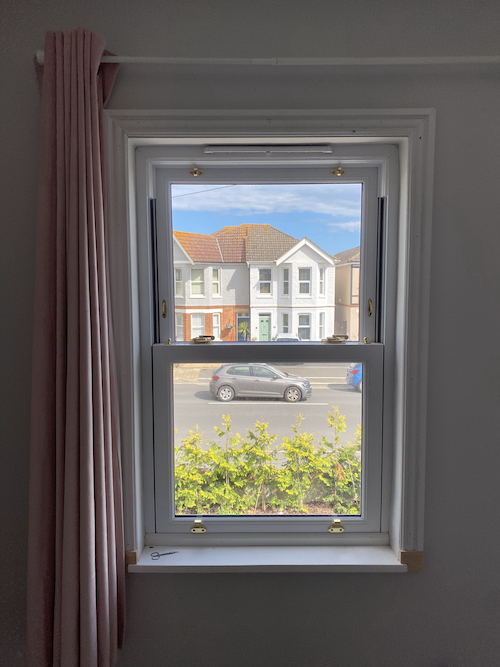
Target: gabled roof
200	247
305	242
244	243
348	256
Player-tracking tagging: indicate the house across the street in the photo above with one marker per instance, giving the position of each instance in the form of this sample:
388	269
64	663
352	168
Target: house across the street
347	293
252	282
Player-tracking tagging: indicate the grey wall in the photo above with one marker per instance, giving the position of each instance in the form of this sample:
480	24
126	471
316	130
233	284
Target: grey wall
447	616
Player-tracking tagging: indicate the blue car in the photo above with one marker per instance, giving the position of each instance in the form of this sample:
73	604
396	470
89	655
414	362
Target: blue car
354	376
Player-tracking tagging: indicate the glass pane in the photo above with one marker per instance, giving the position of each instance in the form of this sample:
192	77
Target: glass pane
226	229
265	274
268	439
197	275
197	325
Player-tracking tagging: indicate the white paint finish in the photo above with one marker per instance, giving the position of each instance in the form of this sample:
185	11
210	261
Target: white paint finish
268	559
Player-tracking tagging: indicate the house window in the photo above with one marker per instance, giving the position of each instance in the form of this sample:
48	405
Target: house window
322	282
179	326
197	282
216	325
197	324
379	354
304	281
216	282
178	282
321	325
284	325
305	327
286	282
265	281
354	285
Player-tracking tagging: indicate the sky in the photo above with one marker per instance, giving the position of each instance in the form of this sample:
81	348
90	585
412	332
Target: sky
328	214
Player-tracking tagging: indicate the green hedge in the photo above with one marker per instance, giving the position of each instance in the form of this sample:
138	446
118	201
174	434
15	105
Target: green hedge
258	475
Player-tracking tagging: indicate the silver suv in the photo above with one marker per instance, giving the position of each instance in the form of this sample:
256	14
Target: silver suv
259	380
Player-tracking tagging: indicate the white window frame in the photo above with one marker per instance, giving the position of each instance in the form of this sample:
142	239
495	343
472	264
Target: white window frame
321	324
130	135
216	281
197	295
304	326
265	282
322	274
179	287
285	281
179	326
285	328
304	282
198	330
216	325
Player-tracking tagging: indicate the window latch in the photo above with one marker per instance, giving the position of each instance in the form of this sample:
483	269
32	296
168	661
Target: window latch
198	527
336	527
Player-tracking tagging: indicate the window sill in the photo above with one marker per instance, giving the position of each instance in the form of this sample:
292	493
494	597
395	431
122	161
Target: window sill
270	559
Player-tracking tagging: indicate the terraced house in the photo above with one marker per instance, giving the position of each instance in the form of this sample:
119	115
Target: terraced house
252	282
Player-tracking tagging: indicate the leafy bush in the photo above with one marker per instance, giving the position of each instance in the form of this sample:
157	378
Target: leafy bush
252	474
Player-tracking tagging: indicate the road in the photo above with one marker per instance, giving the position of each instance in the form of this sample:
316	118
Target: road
195	405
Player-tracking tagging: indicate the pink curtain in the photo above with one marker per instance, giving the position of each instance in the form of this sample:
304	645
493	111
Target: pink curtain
76	565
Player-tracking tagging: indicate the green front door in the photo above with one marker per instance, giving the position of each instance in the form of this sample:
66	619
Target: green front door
264	327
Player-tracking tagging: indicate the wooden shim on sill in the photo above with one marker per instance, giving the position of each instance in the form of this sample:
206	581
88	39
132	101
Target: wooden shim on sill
131	558
413	559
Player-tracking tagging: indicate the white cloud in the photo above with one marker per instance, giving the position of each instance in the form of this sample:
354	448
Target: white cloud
334	199
353	226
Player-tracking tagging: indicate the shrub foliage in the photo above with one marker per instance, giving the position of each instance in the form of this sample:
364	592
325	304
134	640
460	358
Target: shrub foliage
237	475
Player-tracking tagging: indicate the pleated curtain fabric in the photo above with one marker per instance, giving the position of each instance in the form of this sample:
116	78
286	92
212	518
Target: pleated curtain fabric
76	565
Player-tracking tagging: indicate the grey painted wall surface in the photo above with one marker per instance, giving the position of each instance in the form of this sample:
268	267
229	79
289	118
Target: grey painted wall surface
447	616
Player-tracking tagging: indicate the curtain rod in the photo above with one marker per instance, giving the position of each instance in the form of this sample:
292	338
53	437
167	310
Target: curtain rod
297	62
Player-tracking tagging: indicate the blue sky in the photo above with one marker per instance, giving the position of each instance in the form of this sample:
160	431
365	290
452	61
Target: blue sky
328	214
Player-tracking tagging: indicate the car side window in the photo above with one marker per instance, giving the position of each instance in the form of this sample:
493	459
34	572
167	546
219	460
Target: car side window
263	372
239	370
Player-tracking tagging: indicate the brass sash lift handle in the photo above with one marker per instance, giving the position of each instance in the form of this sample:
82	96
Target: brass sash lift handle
370	307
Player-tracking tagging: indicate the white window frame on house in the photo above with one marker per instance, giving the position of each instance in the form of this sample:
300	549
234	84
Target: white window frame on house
137	144
322	273
216	293
199	329
285	317
354	298
304	281
265	281
179	326
285	283
178	282
216	325
321	325
304	325
201	294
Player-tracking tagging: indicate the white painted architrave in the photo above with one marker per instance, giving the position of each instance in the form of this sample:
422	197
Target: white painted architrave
412	130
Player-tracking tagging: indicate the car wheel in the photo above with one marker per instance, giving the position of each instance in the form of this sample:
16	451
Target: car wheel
360	386
225	394
292	394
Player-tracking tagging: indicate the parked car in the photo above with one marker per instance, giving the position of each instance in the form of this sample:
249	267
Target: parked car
354	376
258	380
287	338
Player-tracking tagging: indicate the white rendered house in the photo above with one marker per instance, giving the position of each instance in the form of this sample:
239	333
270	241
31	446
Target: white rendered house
252	282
